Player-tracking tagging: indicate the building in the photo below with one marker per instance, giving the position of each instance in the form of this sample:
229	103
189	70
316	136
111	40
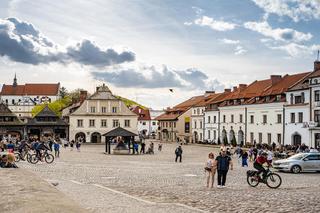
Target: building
144	120
154	123
10	125
175	123
22	98
98	114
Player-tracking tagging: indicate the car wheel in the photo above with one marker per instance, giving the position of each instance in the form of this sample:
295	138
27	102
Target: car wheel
295	169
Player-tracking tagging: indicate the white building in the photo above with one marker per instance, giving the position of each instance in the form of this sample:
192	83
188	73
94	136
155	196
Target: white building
99	114
22	98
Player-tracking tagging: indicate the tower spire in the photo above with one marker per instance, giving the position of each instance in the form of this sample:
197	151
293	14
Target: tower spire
15	83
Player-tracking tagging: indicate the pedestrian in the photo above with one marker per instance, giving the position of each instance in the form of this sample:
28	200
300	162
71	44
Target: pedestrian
143	147
65	144
78	145
50	144
255	153
244	157
135	147
178	153
160	146
223	162
56	147
210	169
71	145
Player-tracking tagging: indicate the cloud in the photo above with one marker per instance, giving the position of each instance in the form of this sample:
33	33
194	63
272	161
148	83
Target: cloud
295	9
279	34
214	24
297	50
22	42
152	77
240	50
229	41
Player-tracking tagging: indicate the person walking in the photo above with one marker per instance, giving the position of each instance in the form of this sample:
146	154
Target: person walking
244	157
56	147
178	153
143	147
71	145
210	169
160	146
223	162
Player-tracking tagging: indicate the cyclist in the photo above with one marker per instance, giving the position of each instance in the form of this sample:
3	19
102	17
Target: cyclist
258	164
41	147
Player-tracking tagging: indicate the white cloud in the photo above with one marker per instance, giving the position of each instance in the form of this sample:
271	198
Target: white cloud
295	9
229	41
278	34
240	50
297	50
187	23
214	24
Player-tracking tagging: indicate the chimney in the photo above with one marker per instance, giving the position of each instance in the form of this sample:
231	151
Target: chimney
316	65
242	86
235	88
83	95
275	79
209	92
227	90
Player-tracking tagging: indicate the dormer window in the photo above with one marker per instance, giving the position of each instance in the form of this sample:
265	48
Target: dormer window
278	98
257	98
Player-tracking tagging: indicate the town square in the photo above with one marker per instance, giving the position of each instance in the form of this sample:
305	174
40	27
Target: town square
159	106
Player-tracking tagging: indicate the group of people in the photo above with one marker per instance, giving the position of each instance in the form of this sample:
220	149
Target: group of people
72	143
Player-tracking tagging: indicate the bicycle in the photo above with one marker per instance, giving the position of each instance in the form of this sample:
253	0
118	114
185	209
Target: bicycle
49	158
272	180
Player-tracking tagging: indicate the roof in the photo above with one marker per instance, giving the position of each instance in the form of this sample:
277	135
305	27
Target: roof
284	84
189	103
103	93
143	114
168	116
207	98
31	89
6	112
46	112
119	131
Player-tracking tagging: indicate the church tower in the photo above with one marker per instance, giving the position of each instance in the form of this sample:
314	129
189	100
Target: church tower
15	83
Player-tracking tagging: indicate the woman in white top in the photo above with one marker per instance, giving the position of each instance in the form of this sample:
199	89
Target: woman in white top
210	170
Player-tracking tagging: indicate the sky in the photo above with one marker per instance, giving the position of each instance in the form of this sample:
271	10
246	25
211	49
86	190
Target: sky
141	49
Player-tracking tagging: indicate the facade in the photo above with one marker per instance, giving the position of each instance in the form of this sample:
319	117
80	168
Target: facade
99	114
10	125
144	121
22	98
154	123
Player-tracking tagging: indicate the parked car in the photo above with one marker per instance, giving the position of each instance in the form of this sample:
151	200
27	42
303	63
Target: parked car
301	162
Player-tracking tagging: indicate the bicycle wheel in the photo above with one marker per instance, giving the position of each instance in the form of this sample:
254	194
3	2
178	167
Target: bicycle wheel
29	157
49	158
273	180
16	157
34	159
252	181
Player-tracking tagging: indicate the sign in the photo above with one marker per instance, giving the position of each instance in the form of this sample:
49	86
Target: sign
187	124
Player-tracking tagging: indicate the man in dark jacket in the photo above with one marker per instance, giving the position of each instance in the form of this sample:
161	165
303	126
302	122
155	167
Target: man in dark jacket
223	163
178	153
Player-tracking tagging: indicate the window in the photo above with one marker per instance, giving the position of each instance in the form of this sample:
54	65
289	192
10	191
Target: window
104	123
92	109
103	109
260	137
240	118
126	123
279	138
224	118
214	119
91	123
209	134
114	109
293	117
170	124
251	119
300	117
265	119
143	123
297	99
195	124
269	138
115	123
80	123
317	95
194	112
251	137
209	119
12	101
200	124
317	116
279	118
198	111
232	118
214	134
174	124
200	136
153	123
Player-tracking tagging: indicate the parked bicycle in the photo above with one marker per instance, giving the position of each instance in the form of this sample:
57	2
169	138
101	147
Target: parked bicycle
49	158
272	180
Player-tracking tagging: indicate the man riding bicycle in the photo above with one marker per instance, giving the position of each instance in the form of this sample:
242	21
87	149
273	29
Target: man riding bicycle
258	164
41	147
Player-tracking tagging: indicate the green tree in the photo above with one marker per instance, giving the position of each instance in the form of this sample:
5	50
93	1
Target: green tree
63	92
56	106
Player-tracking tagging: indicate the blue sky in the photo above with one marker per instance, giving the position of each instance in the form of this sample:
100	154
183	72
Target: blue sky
142	48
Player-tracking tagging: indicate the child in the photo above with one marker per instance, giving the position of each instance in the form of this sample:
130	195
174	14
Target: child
56	148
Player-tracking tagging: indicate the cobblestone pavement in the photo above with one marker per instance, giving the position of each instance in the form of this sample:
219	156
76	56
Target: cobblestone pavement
155	183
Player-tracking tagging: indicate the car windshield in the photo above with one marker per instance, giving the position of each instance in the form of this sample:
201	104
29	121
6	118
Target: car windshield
297	156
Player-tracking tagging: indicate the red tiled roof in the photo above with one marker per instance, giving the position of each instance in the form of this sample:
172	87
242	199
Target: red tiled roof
31	89
143	114
284	84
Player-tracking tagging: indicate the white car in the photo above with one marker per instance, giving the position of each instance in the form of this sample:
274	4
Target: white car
302	162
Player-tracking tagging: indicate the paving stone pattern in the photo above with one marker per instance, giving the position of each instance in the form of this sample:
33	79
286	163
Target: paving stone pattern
155	183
